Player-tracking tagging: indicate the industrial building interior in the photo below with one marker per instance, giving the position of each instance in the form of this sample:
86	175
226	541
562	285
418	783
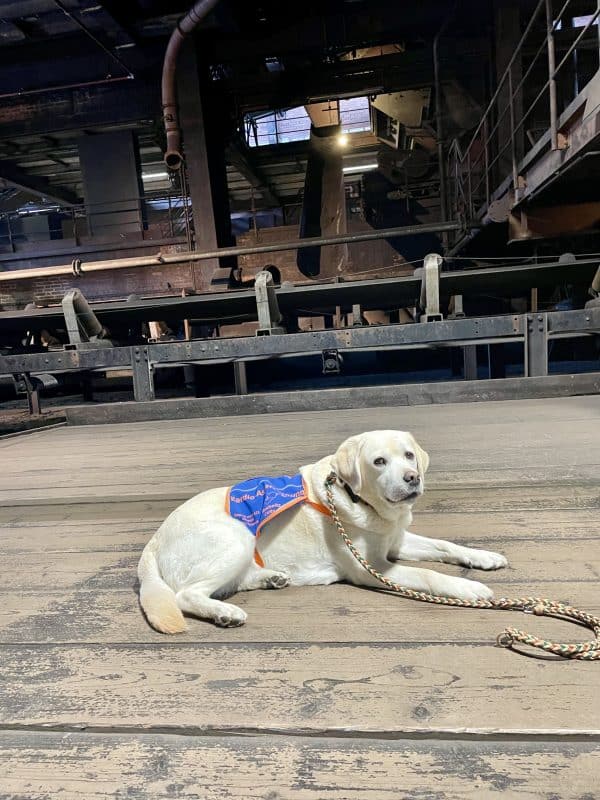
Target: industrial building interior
391	138
233	224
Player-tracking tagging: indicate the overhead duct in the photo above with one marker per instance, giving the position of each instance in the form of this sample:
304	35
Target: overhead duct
185	26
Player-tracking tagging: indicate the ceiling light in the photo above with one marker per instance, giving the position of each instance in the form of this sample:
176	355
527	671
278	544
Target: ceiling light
343	139
360	168
154	176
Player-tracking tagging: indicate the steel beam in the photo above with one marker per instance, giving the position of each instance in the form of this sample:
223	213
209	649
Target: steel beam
533	329
239	156
419	334
38	186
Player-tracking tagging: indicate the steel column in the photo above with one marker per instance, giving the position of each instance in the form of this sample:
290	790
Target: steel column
240	377
142	371
536	345
470	362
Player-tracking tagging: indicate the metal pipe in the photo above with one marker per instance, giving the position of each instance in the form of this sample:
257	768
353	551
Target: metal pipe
185	26
178	258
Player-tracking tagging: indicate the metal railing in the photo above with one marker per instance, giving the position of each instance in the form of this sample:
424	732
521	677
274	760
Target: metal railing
162	216
556	57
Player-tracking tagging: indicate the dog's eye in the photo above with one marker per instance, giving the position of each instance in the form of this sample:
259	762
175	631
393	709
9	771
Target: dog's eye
380	462
409	455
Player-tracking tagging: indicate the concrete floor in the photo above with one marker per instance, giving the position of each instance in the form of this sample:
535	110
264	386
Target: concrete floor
327	692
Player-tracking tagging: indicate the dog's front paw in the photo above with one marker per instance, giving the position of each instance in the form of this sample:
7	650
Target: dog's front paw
486	559
464	589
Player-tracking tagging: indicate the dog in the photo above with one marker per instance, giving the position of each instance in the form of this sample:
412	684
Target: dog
208	549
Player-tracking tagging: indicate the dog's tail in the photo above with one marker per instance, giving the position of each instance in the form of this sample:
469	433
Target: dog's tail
156	598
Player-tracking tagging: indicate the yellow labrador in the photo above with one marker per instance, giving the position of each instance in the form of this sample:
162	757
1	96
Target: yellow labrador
201	552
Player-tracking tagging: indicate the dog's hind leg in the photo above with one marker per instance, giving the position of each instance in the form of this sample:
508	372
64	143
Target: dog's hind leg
261	578
222	561
196	600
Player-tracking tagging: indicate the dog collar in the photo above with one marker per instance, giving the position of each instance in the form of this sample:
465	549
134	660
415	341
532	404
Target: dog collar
353	496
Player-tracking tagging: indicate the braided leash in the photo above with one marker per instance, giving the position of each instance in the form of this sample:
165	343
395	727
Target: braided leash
584	651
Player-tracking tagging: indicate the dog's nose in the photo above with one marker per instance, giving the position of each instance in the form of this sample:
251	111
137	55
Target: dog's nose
412	478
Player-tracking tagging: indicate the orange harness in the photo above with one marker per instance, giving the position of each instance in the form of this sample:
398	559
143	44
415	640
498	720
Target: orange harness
257	501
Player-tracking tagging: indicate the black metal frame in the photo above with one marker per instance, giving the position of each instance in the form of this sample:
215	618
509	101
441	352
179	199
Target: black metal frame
533	330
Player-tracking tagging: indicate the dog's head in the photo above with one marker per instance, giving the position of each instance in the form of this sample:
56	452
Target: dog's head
385	468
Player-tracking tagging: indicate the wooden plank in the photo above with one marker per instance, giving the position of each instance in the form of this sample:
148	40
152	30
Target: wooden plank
456	497
126	534
558	560
300	688
164	482
492	530
336	613
95	766
184	456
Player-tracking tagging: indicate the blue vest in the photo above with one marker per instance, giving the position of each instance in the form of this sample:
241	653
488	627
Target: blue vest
259	500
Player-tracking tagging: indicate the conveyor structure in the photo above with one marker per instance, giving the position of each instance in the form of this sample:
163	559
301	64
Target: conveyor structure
428	291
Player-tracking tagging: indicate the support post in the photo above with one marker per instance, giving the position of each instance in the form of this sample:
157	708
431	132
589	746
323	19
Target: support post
430	288
33	394
357	316
470	362
456	304
240	377
536	345
269	315
142	371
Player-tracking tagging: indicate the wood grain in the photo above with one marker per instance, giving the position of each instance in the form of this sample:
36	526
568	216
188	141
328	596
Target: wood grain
335	692
296	688
72	766
318	614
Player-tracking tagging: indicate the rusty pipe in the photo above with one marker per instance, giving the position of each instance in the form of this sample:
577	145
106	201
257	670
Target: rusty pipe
82	268
185	26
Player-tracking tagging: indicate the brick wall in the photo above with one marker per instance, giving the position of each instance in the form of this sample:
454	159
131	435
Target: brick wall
367	260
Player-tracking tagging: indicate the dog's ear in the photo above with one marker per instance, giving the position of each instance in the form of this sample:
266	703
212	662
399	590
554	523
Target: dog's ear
347	462
422	457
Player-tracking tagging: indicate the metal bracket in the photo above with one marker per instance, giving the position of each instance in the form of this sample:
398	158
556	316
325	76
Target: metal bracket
83	326
430	288
332	362
269	315
456	304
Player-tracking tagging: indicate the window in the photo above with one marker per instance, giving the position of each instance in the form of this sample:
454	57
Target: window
293	124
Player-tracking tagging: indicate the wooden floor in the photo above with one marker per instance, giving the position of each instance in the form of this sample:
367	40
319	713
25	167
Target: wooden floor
327	692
